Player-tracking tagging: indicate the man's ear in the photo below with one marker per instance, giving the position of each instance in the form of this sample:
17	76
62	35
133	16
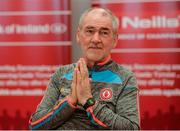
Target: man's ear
115	41
77	35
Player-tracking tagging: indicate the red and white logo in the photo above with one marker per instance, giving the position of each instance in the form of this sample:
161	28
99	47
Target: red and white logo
106	94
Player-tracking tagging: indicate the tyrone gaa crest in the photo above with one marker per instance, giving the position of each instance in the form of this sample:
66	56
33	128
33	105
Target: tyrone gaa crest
106	94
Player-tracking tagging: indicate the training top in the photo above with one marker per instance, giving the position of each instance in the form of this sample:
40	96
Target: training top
113	87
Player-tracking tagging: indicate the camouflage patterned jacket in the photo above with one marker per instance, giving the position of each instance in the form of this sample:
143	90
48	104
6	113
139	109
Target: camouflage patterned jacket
113	87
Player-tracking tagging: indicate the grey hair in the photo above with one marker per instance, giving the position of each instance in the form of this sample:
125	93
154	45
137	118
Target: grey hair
115	20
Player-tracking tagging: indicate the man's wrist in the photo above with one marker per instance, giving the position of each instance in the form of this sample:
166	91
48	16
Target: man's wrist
89	102
71	100
83	101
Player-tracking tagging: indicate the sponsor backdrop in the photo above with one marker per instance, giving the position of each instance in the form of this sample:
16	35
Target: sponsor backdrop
149	45
34	40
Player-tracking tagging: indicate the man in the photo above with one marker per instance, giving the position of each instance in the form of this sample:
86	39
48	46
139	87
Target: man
94	93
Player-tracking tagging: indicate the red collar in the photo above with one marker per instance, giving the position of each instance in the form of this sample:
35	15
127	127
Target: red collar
107	59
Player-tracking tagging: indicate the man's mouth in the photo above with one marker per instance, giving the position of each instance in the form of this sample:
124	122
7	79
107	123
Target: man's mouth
97	48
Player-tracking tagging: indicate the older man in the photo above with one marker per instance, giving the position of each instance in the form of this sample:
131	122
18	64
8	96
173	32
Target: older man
96	92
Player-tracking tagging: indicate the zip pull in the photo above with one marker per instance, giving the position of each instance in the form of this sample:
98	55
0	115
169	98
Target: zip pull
90	74
90	71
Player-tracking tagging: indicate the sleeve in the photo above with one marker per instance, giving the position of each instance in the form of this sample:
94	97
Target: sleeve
126	116
52	111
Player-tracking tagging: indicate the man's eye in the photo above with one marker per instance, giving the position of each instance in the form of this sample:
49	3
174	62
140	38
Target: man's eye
89	31
105	33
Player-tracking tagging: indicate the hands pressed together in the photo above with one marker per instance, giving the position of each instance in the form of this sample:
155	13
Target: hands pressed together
80	87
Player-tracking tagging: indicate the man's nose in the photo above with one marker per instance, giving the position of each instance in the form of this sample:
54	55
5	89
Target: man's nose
96	37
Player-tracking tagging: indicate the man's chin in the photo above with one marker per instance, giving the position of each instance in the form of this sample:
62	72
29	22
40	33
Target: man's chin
94	58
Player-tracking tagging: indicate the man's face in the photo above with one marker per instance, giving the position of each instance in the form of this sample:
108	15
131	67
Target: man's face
96	36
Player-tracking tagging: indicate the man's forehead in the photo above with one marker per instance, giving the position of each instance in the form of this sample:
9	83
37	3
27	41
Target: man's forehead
97	20
93	27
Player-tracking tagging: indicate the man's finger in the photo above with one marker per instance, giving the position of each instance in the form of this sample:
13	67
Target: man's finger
74	82
84	66
74	75
78	78
83	69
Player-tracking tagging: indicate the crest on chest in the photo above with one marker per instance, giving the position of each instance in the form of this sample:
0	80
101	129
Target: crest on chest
106	94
